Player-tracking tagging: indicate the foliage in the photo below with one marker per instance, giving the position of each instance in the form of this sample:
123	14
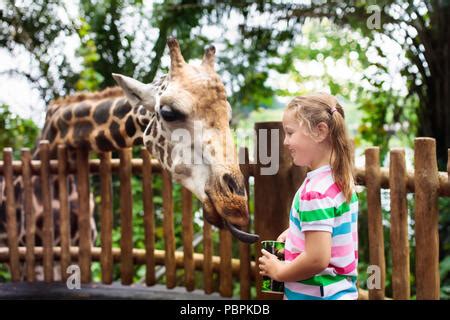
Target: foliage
16	132
90	79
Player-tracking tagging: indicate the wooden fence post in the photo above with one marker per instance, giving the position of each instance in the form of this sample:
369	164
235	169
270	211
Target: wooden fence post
84	218
399	225
30	217
126	217
48	236
426	219
168	229
106	217
63	211
375	219
11	223
188	238
226	278
244	248
207	257
272	212
149	219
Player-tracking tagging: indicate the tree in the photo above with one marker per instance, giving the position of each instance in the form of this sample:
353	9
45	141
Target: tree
16	132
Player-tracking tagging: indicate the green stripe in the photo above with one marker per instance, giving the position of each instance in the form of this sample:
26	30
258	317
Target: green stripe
326	280
327	213
297	201
319	214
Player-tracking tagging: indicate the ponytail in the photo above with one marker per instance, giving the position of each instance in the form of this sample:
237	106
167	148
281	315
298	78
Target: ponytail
342	163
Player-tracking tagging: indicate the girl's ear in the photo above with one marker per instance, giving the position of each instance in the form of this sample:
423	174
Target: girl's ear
321	132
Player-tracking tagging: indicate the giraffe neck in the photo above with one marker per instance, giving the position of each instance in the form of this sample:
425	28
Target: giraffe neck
102	125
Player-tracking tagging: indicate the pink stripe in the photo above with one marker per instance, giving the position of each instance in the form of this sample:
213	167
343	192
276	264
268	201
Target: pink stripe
346	269
355	236
289	256
342	251
356	254
333	191
311	195
296	241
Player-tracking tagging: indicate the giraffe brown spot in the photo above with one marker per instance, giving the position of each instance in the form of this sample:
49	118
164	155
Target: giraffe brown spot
101	112
161	152
52	132
116	135
129	126
183	169
122	108
138	141
154	131
67	115
141	126
143	123
169	155
161	140
103	143
62	127
81	133
82	110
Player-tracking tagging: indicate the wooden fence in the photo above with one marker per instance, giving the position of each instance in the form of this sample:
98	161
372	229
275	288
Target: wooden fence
272	197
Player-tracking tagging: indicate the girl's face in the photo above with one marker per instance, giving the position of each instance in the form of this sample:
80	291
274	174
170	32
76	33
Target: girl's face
298	140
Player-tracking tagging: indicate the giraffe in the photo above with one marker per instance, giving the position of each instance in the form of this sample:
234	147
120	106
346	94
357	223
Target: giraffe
190	98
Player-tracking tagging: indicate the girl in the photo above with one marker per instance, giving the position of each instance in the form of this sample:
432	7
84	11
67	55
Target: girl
321	243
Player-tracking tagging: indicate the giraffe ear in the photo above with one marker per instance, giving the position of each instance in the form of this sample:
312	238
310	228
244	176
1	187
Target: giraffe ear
209	57
137	93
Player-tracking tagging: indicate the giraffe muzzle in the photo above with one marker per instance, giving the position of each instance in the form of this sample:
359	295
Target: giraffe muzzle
232	218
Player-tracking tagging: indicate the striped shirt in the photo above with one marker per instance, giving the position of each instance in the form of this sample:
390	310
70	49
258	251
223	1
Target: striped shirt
320	205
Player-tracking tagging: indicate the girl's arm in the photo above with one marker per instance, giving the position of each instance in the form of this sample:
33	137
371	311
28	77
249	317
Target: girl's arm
312	261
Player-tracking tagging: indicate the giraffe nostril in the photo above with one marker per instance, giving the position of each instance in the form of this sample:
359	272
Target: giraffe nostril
232	185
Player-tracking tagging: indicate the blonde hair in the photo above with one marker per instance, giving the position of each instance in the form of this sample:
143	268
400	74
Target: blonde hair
322	107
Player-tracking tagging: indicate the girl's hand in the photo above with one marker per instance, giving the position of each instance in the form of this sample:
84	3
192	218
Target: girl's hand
269	265
282	237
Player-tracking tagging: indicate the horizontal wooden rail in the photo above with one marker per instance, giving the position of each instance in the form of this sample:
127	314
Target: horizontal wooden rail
136	167
443	188
138	258
94	166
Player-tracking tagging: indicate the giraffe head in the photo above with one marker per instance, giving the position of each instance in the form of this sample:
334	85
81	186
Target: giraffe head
189	133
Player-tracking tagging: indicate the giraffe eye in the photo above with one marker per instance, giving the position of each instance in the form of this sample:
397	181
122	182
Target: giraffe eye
169	114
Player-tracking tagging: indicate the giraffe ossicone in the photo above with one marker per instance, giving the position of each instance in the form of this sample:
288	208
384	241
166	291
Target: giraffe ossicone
192	100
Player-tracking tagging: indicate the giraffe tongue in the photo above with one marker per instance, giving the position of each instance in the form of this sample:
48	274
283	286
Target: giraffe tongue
241	235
